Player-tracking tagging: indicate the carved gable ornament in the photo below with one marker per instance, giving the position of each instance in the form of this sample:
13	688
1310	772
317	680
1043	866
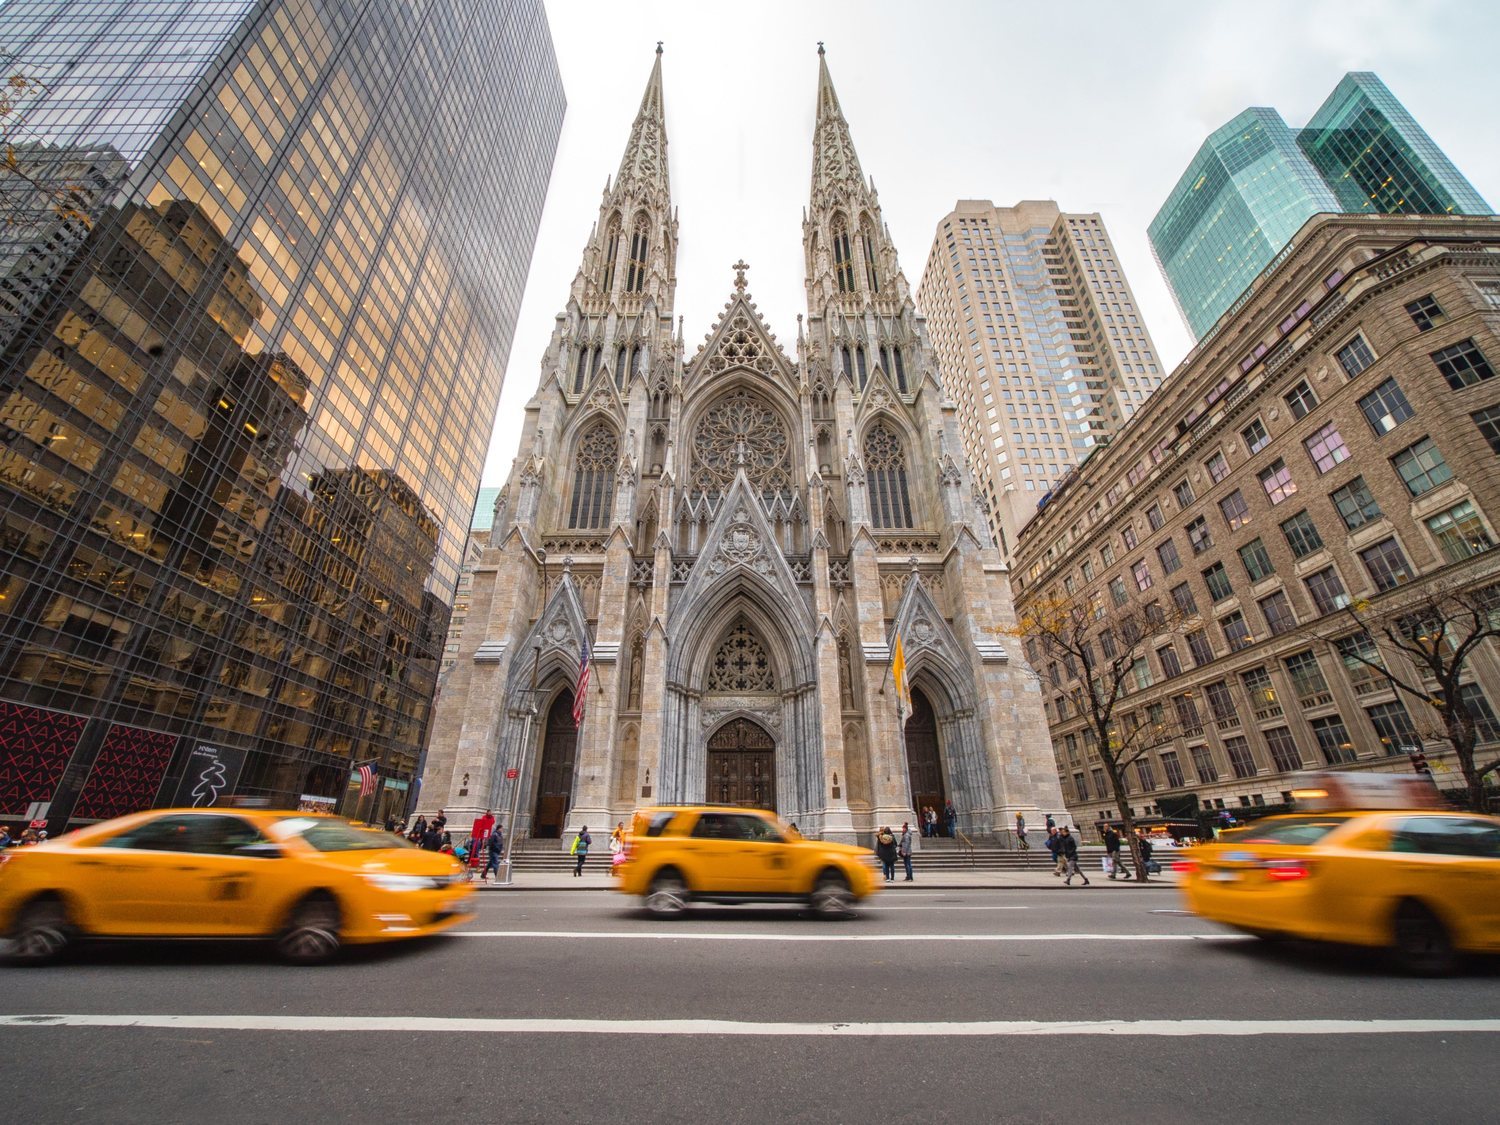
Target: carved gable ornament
741	545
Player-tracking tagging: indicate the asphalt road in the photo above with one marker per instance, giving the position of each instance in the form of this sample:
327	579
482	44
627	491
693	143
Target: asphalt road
931	1005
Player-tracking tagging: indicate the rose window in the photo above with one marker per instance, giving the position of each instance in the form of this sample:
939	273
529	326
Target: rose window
741	430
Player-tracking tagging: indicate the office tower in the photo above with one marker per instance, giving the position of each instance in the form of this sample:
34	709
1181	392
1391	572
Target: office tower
1256	181
735	537
247	397
1333	446
1041	344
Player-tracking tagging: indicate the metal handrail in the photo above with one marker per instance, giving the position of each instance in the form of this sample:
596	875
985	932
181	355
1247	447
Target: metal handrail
965	842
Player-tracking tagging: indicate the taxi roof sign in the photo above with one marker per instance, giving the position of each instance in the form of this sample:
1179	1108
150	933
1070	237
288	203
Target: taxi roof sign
1328	791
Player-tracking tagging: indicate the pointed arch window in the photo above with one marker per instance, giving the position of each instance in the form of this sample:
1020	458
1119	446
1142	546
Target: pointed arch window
635	275
885	470
871	277
594	478
611	253
741	664
620	358
583	371
864	372
849	363
635	361
843	260
900	370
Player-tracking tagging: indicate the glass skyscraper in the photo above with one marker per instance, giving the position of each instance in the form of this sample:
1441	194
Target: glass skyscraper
249	366
1255	182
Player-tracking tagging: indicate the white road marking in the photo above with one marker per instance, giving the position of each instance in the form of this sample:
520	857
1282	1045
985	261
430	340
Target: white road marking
407	1024
656	935
931	909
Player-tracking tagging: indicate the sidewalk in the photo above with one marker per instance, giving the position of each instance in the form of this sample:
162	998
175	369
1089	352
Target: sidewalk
597	879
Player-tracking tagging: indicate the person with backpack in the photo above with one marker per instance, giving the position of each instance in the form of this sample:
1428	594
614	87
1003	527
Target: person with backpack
1114	865
1054	849
885	850
580	848
495	849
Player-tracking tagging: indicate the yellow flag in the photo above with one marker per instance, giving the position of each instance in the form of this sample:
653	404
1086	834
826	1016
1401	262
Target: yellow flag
898	674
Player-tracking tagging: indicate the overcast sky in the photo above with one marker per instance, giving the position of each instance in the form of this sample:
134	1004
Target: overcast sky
1094	103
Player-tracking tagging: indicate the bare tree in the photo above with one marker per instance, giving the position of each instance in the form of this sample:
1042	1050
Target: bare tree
1420	641
1094	661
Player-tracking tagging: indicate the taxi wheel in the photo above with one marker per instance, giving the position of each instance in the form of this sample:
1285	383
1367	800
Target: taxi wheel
311	936
1422	945
41	934
667	895
831	896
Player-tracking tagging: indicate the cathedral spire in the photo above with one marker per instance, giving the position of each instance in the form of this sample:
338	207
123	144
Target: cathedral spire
834	158
645	160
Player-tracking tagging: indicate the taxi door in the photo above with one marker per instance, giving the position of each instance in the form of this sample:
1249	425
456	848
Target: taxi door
1456	862
136	882
762	858
229	891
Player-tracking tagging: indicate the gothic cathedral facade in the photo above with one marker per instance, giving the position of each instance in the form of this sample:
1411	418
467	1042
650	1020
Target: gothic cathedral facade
736	538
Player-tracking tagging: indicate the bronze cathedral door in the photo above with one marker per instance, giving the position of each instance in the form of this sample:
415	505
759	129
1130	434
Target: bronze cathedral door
742	766
555	785
925	771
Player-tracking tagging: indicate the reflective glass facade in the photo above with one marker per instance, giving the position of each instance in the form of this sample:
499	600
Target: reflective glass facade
1255	182
1377	158
244	403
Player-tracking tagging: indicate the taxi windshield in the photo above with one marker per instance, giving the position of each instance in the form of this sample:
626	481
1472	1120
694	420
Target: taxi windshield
1292	830
328	835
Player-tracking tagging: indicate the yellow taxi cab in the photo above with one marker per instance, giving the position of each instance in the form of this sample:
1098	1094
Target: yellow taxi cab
307	882
679	854
1371	860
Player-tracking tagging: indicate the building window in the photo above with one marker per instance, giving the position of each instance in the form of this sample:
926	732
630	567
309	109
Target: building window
1459	532
1362	660
1107	554
1218	467
1220	701
1127	536
1302	535
1486	725
1154	517
1216	578
1463	365
1203	763
1236	631
1142	574
1100	786
1258	687
1283	747
1184	493
1278	613
1082	787
1355	356
1307	676
611	253
1300	399
1355	503
1199	648
1145	774
1386	407
1257	561
635	274
1236	510
1241	761
1327	591
1107	643
1327	448
594	479
1199	536
1393	726
1488	421
1387	564
1167	553
1117	592
885	464
1182	598
1140	672
1173	769
1425	312
1333	740
1277	480
1187	713
1256	437
1171	663
1422	467
843	260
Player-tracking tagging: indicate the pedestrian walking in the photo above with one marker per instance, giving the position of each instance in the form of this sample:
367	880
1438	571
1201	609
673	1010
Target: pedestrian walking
580	848
1054	848
495	849
885	851
903	849
1070	857
1021	833
950	819
1113	864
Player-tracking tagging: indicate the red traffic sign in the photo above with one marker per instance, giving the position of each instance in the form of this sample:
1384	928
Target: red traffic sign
511	775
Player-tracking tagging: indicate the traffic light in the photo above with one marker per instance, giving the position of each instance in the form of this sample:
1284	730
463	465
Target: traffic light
1419	763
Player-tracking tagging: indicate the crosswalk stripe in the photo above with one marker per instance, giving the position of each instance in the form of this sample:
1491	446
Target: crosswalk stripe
407	1024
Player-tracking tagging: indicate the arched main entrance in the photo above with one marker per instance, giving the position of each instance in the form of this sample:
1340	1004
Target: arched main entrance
922	763
742	766
555	784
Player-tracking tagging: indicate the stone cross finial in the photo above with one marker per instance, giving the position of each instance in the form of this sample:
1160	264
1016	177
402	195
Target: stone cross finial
658	46
820	46
739	274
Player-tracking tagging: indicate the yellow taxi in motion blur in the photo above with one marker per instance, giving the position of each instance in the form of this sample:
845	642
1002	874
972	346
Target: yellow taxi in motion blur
1367	860
309	883
679	854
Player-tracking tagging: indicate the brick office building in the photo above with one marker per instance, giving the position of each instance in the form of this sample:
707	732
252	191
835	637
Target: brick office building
1334	439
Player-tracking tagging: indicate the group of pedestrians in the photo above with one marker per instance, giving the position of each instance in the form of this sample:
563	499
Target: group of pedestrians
929	819
889	847
1063	846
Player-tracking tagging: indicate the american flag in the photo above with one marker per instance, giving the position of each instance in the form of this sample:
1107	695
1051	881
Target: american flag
366	780
581	692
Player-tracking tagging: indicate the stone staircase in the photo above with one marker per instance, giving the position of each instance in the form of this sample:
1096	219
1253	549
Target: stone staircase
939	854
